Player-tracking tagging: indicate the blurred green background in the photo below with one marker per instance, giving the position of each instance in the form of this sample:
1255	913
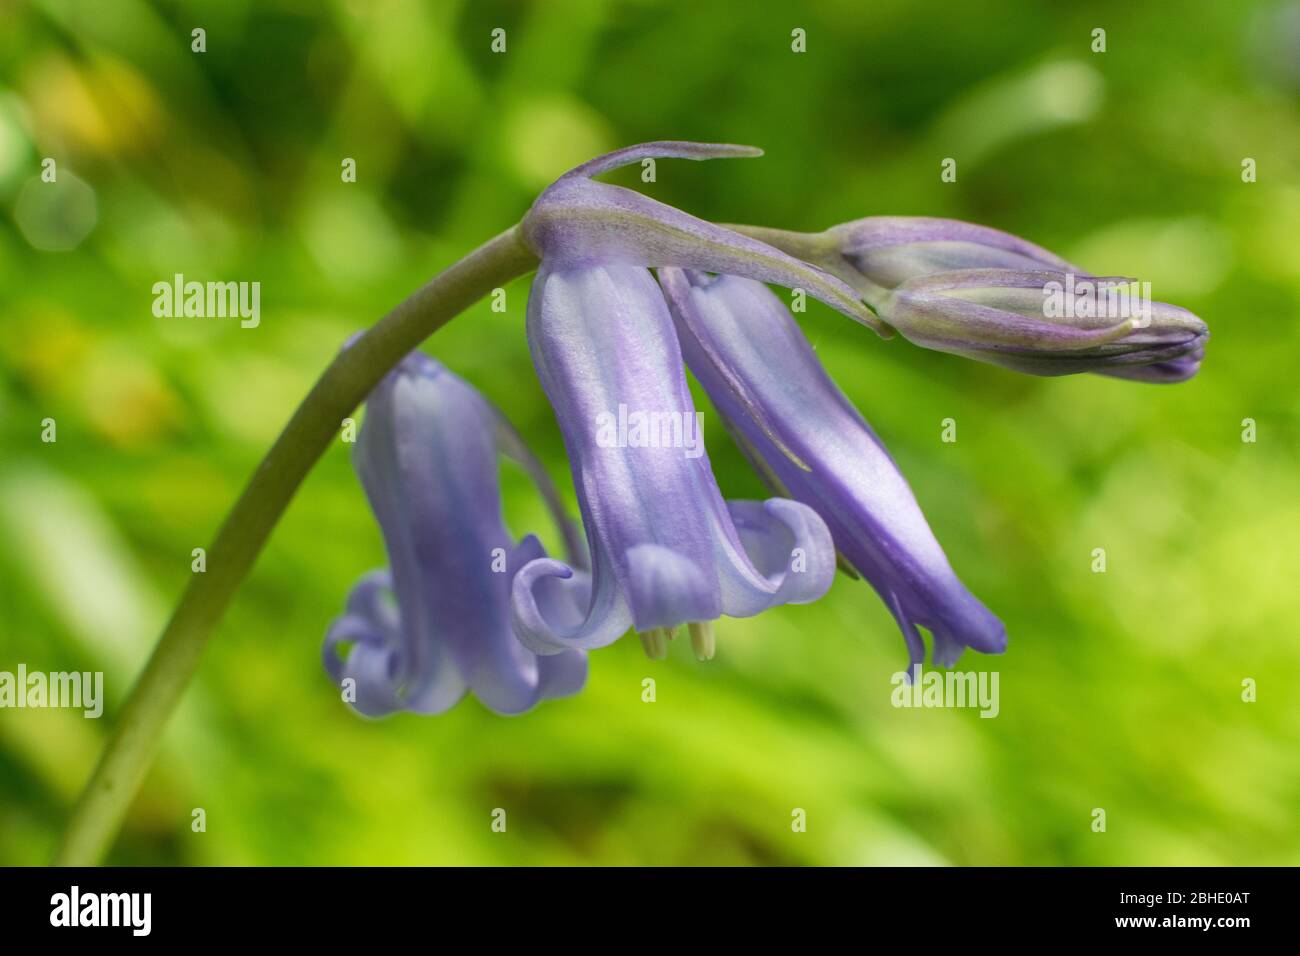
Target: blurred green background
1120	691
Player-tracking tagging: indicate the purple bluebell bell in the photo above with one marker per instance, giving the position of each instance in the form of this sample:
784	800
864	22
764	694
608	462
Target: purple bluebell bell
811	444
436	624
988	295
666	549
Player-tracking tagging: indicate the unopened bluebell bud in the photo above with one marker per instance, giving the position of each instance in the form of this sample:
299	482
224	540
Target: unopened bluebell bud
988	295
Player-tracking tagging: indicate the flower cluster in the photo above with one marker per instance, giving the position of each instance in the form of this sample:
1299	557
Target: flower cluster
628	295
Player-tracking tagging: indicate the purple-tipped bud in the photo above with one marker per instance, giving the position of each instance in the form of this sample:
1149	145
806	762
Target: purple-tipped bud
988	295
1049	323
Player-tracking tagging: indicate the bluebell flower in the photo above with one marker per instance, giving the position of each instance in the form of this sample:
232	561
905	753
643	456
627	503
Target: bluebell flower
666	549
436	623
812	444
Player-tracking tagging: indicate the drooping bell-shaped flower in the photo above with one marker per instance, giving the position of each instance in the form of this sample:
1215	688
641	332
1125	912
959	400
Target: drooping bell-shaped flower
811	444
436	624
988	295
666	549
